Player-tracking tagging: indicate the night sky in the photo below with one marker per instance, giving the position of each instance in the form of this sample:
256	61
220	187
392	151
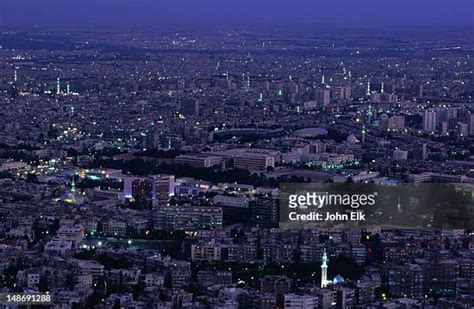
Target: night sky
360	13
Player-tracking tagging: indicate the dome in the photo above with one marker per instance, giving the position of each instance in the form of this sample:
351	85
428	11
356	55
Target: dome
310	132
338	279
351	139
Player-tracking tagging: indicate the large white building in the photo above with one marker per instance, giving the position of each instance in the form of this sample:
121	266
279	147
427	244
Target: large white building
199	160
251	158
254	161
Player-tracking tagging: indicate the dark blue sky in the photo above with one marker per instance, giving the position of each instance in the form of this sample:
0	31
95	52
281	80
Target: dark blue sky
361	13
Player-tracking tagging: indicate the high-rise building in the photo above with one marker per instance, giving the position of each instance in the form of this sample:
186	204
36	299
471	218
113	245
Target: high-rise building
323	96
465	290
444	128
429	120
389	97
292	87
403	280
190	107
375	97
224	83
346	297
265	213
463	129
154	189
206	251
471	124
164	188
345	92
143	189
153	140
421	91
127	187
396	123
452	113
276	284
420	152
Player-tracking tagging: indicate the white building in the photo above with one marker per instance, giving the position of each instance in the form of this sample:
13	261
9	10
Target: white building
199	160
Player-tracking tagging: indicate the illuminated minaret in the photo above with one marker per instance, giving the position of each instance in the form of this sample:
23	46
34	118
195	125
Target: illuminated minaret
382	90
370	114
58	86
15	76
363	133
68	89
73	190
368	88
324	270
323	80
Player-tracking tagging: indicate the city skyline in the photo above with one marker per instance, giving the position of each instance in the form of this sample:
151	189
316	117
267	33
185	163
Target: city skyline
236	155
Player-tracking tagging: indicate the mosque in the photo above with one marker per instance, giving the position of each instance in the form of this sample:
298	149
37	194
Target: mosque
324	273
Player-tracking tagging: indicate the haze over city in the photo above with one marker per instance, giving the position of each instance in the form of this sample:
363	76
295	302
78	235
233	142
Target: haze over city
345	13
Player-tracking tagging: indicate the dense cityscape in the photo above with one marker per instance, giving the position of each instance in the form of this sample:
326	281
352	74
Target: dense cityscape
143	168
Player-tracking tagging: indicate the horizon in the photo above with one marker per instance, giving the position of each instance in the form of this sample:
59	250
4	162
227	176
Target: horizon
364	14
